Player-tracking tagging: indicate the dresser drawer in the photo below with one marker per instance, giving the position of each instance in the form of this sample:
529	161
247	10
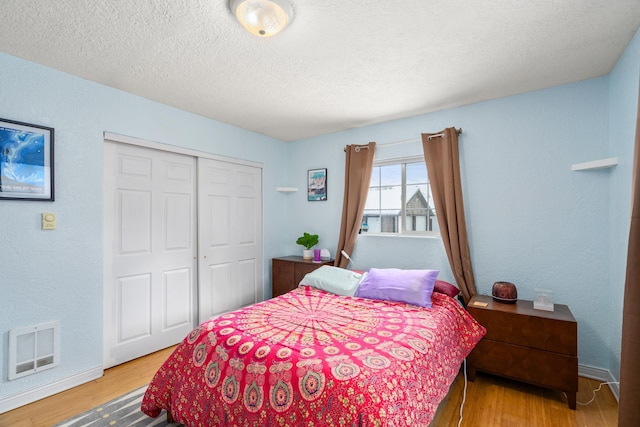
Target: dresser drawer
543	368
530	331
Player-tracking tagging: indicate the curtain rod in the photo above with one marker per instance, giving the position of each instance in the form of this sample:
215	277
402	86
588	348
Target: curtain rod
404	141
438	135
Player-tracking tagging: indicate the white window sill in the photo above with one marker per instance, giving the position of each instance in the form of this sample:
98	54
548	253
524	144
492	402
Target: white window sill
398	235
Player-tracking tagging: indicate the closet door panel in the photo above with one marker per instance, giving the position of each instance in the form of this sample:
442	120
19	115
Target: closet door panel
230	224
150	250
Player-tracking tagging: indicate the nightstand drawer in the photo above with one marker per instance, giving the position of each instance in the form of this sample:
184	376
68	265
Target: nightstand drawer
530	331
537	367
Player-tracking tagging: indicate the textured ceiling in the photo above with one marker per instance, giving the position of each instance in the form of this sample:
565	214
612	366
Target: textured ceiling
339	65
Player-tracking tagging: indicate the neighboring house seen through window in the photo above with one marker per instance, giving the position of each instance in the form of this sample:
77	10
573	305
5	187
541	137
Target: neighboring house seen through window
400	199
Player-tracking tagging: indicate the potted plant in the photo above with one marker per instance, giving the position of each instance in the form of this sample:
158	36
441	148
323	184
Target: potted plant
308	241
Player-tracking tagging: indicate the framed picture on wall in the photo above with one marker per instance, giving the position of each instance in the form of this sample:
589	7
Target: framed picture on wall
26	161
317	185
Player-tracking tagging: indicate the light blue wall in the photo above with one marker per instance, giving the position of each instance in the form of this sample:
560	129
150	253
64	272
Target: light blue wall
531	220
49	275
623	109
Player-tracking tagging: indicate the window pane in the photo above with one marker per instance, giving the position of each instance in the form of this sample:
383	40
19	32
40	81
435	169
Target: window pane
371	222
433	222
384	210
421	224
373	199
391	175
375	177
391	197
390	221
417	173
418	196
417	222
419	211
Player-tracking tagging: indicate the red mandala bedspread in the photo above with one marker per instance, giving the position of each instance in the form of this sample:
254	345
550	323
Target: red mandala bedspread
312	358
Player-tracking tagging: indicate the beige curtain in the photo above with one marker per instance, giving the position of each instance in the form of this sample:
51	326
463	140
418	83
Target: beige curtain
443	166
629	404
357	178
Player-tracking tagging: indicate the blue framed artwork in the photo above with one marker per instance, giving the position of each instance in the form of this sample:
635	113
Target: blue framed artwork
26	161
317	185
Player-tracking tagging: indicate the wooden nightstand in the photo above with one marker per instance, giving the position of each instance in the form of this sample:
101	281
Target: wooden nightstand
533	346
286	272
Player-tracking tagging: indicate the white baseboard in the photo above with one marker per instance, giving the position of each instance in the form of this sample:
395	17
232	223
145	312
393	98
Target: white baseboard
602	375
30	396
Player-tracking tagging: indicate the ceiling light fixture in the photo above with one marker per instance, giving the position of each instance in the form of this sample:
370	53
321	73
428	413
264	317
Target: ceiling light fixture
264	18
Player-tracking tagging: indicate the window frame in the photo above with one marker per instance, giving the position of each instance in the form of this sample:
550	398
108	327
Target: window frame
403	161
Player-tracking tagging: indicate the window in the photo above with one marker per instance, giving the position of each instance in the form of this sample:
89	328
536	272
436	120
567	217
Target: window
400	199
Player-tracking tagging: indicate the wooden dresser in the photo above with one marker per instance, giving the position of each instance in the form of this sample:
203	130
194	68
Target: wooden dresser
286	272
533	346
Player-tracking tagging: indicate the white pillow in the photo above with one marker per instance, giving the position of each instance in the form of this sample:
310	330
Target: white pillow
334	279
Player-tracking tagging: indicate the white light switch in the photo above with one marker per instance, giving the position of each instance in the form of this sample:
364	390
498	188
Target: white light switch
48	221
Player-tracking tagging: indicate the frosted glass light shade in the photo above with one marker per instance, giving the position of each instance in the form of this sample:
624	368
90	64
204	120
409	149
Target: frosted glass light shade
263	18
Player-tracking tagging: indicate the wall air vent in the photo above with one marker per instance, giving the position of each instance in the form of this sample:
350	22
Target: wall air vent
33	349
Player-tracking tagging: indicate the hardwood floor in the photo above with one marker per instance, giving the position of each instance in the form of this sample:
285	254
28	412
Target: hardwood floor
494	401
115	382
490	401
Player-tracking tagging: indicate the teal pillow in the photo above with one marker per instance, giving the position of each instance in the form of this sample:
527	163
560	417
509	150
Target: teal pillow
333	279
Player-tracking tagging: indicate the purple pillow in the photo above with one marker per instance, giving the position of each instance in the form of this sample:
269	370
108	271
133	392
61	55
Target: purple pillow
392	284
446	288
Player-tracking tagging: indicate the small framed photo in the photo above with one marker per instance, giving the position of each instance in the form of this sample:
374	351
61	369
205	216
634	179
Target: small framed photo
26	161
317	185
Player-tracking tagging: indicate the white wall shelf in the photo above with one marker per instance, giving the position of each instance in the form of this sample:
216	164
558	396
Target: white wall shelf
596	164
287	189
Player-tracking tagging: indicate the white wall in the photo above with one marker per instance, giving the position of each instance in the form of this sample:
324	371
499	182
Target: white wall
49	275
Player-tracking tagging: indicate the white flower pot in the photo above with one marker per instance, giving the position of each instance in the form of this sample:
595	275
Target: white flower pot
307	254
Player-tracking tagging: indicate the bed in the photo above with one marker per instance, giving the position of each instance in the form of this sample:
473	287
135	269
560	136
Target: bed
315	358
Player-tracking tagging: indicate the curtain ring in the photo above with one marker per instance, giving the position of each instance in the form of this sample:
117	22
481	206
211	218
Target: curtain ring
357	149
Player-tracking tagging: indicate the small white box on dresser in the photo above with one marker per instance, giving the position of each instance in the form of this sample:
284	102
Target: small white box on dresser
543	299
